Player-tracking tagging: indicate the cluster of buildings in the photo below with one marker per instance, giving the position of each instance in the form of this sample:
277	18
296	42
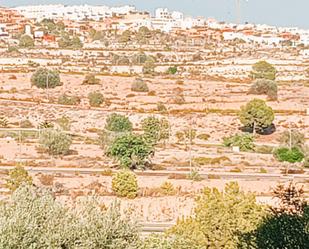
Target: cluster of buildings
79	19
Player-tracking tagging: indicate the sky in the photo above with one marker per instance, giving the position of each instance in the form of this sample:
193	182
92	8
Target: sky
273	12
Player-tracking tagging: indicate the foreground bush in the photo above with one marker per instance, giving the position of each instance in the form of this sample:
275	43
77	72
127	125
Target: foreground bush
56	142
45	78
292	155
243	141
118	123
124	184
220	218
263	86
17	177
132	151
34	219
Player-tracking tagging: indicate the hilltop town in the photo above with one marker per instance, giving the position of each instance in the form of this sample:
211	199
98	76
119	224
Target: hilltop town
181	103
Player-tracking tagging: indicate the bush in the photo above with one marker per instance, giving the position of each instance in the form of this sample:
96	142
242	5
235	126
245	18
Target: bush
195	176
90	79
26	124
55	142
243	141
263	86
149	67
155	129
220	218
161	107
17	177
292	138
95	99
3	122
12	49
34	218
263	70
130	150
256	115
26	41
139	86
289	155
172	70
64	123
45	78
118	123
68	100
45	125
124	184
167	188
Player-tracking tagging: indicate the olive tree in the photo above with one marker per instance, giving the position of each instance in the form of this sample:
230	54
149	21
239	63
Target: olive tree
264	86
256	115
45	78
118	123
26	41
155	129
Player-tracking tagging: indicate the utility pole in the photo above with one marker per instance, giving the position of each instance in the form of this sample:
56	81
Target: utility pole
47	78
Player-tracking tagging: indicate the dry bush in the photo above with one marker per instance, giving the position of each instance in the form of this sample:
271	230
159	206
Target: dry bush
46	180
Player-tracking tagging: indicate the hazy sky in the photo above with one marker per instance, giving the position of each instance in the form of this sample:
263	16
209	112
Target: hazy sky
277	12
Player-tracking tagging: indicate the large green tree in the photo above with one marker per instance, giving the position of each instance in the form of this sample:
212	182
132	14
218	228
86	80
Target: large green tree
26	41
256	115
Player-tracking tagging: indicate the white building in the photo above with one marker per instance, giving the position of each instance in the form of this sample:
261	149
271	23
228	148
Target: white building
75	12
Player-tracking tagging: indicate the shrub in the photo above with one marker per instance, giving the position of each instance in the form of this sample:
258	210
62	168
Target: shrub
3	122
17	177
124	184
13	49
26	41
256	115
68	100
293	155
263	149
55	142
155	129
45	125
161	107
130	150
292	138
45	78
167	188
34	218
64	123
172	70
95	99
203	136
149	67
194	175
220	218
26	124
263	70
46	180
118	123
243	141
263	86
90	79
139	86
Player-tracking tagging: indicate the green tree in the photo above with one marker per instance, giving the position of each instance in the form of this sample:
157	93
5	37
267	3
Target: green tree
56	142
172	70
264	86
124	184
263	70
220	219
26	41
256	115
132	151
45	78
118	123
17	177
